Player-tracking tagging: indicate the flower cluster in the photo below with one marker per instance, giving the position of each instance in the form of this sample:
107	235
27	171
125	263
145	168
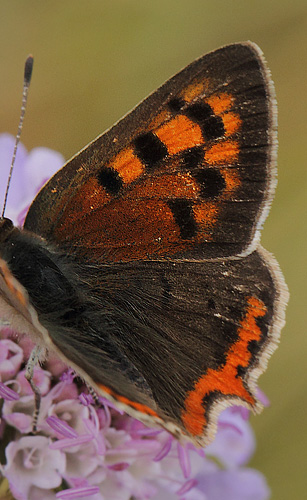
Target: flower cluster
86	452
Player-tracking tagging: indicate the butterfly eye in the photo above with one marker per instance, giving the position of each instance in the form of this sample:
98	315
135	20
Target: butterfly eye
6	226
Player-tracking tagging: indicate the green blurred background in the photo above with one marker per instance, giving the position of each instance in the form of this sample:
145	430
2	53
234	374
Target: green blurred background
95	59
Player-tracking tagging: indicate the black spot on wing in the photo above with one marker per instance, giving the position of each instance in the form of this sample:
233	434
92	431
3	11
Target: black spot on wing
241	371
253	347
110	180
149	149
176	104
212	126
211	182
184	217
192	158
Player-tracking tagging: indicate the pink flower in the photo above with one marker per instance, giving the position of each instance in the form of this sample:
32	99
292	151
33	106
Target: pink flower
234	444
11	357
30	463
41	379
91	453
31	172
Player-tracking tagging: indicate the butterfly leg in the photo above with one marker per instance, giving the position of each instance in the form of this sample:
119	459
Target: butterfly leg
37	354
94	395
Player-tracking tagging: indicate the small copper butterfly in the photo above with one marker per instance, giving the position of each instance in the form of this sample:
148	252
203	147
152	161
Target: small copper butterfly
139	262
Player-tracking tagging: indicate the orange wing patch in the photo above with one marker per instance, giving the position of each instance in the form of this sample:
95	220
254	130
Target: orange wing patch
205	215
225	380
179	134
86	201
149	230
12	284
191	92
232	181
232	123
220	102
133	404
222	153
221	105
175	185
127	165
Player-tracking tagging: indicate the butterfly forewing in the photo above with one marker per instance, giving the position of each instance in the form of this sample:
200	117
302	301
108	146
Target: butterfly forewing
186	174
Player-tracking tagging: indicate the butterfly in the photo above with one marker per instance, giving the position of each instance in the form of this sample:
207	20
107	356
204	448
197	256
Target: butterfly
139	262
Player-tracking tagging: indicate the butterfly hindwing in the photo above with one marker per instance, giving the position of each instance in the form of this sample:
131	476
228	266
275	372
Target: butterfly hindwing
199	334
170	342
187	173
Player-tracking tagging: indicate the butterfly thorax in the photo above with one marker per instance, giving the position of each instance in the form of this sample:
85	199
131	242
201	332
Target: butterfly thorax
36	266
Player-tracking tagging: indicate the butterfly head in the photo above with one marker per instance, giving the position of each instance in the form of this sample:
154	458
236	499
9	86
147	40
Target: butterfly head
6	227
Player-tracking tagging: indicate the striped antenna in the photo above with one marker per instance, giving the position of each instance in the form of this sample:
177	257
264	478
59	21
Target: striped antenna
26	85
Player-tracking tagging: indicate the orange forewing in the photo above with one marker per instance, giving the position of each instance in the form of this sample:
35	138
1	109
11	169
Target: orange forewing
140	215
182	159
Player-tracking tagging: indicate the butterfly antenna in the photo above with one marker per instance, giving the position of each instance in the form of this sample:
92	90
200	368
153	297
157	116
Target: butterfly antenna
26	85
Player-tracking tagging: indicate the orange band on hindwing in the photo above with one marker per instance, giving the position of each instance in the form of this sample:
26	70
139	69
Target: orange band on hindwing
133	404
225	380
